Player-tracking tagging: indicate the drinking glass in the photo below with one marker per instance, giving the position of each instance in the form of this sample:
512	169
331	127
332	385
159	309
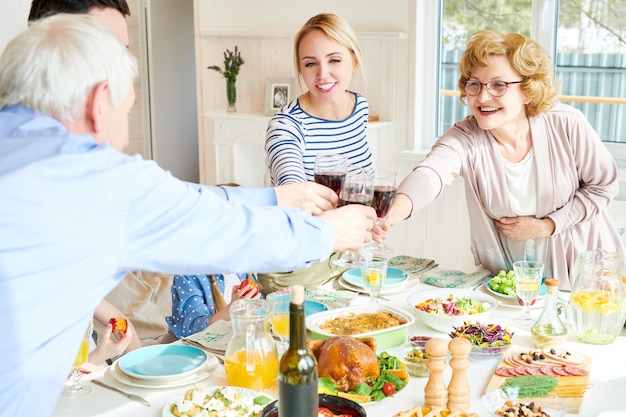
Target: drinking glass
330	170
373	273
74	388
356	189
528	276
280	318
384	184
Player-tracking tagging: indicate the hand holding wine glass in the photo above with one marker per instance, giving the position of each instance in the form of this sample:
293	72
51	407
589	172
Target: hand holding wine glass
75	389
330	170
528	276
357	189
385	189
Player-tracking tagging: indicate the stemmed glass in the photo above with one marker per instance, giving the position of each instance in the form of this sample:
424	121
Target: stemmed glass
330	170
384	192
528	276
373	274
356	189
280	318
74	388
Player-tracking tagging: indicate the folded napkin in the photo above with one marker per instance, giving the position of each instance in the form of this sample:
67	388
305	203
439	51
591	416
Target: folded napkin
329	297
449	278
410	265
214	338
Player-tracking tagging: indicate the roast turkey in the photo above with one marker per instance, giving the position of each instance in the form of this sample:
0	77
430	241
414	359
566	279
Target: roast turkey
346	360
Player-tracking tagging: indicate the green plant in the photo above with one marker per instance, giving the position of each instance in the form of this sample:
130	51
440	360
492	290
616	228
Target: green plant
232	63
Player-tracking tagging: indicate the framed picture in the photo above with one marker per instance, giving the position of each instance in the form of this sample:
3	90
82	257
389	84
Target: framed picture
278	92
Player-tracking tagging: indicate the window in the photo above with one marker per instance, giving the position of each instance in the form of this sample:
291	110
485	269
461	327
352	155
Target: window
586	37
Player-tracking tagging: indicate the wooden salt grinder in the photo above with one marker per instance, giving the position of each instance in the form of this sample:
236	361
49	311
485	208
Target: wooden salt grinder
435	391
459	388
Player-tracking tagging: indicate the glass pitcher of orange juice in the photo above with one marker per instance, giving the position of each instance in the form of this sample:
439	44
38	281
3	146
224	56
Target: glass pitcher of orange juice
251	360
597	303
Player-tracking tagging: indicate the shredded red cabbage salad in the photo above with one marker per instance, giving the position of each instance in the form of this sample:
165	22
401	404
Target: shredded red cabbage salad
484	334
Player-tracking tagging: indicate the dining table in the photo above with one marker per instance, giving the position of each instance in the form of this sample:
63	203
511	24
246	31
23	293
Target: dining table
605	396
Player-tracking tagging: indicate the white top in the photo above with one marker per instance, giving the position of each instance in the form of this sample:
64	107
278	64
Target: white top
521	178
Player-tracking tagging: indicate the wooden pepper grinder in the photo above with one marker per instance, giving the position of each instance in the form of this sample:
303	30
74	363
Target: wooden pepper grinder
435	391
459	388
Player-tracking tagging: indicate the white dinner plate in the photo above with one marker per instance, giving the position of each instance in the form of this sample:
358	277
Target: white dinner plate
246	394
542	292
510	302
201	374
163	362
394	278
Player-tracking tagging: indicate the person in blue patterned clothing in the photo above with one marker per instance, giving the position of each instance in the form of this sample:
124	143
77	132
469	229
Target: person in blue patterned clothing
196	304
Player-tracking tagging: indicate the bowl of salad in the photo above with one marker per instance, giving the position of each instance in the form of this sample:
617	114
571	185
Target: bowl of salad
442	309
488	340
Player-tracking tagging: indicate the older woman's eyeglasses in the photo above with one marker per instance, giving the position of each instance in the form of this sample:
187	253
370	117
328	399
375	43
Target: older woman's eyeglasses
495	88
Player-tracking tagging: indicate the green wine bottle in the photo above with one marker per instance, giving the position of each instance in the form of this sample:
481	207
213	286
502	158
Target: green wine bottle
297	371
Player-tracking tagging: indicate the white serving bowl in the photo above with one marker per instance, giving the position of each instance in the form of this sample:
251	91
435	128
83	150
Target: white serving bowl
444	322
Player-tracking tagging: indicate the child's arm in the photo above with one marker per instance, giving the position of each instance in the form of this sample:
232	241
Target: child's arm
107	347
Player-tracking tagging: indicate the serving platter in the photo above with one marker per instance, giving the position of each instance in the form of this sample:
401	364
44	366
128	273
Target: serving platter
385	338
163	362
572	382
246	397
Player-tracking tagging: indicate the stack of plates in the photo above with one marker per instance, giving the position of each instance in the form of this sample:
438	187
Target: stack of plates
396	281
163	366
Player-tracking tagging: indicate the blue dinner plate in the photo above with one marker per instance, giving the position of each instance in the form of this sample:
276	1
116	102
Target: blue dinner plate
312	307
394	277
162	362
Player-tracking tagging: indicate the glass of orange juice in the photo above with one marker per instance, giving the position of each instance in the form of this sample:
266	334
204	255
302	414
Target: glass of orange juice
74	388
280	318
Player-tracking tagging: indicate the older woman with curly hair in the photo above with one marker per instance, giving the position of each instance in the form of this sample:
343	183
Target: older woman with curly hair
537	177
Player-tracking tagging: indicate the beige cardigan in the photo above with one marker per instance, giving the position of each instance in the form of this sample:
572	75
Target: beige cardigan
576	180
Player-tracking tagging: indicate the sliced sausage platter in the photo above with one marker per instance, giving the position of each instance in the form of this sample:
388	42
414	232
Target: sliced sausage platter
570	368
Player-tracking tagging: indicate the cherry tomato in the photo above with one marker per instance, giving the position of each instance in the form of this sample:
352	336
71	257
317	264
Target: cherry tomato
324	412
389	388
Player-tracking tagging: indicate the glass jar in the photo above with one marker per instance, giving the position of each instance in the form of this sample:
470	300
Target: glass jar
597	299
251	360
550	329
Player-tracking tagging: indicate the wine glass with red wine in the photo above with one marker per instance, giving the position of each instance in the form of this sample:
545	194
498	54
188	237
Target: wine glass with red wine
384	184
356	189
330	170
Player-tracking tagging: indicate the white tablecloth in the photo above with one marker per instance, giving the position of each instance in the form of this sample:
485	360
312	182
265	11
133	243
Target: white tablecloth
607	378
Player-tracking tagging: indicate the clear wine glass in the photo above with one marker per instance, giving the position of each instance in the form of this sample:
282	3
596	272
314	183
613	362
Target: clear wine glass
330	170
356	189
373	274
384	184
528	276
74	389
280	318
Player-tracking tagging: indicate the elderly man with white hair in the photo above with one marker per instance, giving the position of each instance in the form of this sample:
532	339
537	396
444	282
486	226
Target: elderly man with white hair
77	214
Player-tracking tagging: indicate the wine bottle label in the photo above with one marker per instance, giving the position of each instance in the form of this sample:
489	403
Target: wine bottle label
298	400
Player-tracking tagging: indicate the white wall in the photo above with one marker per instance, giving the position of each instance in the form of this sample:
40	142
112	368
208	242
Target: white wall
13	19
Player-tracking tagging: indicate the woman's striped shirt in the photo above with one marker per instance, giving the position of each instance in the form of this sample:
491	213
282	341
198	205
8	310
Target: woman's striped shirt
294	137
